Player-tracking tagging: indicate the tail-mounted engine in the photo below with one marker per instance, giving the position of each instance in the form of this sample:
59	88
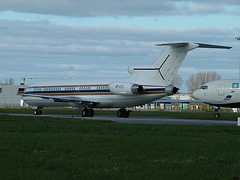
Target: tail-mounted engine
125	88
170	90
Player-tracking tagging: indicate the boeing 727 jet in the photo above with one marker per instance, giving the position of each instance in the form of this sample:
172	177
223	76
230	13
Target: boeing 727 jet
146	84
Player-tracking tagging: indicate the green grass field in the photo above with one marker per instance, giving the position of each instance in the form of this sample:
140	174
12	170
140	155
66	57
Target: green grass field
48	148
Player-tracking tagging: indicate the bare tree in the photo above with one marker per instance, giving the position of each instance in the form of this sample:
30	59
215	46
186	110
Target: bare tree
9	81
197	80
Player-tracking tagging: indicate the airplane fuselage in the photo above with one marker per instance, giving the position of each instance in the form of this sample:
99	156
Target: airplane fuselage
102	93
224	93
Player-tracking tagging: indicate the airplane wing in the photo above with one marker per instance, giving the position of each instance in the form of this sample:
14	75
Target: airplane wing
64	99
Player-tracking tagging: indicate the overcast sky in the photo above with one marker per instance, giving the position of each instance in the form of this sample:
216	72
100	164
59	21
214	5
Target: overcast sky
101	38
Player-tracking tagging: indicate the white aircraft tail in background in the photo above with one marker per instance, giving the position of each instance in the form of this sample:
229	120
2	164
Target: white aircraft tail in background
147	84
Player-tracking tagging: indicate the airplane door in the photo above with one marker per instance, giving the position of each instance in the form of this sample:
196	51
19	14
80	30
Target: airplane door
221	89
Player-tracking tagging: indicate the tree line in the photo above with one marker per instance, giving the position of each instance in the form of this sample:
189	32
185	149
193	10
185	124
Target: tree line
9	81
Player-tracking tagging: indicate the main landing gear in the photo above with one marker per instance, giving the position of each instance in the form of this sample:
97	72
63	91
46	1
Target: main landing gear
87	112
123	113
37	111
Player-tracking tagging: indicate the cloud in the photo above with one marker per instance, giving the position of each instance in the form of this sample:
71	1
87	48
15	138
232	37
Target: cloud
198	9
44	49
82	8
41	48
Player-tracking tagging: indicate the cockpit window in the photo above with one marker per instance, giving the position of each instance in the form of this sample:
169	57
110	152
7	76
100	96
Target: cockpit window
204	87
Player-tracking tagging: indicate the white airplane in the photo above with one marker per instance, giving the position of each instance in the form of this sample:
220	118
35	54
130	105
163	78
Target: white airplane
147	83
220	93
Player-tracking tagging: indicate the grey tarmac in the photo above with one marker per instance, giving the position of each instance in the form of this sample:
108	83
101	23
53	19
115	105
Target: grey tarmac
139	120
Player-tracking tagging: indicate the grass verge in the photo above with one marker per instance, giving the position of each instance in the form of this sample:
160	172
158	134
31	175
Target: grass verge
48	148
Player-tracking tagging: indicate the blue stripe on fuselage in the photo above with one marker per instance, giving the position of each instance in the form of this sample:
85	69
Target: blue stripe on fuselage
72	91
87	91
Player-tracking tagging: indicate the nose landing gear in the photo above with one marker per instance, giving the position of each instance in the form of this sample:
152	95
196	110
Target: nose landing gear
216	114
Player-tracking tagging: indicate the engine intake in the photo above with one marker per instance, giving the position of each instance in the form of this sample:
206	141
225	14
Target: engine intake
125	88
170	90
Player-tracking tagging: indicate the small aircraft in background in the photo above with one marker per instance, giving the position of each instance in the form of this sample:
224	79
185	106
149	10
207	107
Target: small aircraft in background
220	93
147	83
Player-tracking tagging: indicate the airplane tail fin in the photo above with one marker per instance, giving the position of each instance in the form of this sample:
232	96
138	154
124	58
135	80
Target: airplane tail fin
168	63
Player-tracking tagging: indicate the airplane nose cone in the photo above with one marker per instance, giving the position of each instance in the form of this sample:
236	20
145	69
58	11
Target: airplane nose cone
197	94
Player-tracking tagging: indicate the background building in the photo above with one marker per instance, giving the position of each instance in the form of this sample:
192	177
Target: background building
9	97
175	102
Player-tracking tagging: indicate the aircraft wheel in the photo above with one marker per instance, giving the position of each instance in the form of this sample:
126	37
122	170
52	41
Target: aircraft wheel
126	115
119	113
123	113
216	115
85	112
37	112
91	113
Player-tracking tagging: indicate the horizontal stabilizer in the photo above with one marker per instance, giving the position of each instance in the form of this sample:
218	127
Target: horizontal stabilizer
201	45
